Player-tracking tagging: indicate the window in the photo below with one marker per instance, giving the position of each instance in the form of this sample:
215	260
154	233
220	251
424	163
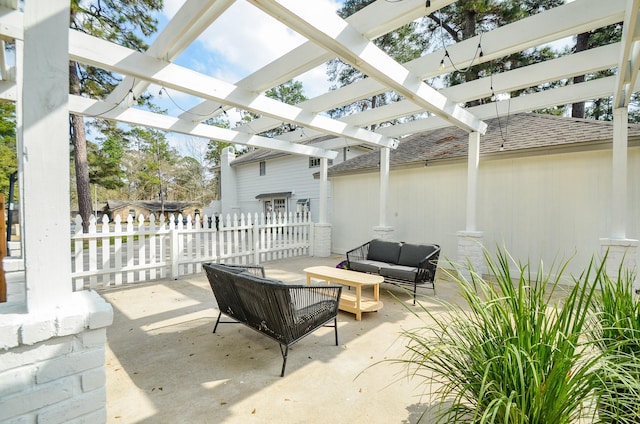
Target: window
315	162
263	168
280	206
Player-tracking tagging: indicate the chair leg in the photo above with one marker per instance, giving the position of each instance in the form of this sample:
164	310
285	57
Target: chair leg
217	322
285	353
415	291
335	328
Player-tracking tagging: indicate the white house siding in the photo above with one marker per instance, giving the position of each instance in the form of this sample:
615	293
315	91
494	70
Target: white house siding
284	174
550	208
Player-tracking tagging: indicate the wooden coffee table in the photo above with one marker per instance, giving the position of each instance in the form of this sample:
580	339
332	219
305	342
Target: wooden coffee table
349	302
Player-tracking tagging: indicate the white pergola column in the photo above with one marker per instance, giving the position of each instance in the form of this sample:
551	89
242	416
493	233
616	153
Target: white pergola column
43	154
322	230
383	230
58	344
621	250
470	248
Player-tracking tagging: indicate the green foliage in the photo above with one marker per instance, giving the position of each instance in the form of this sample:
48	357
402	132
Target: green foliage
105	161
465	19
518	349
403	44
8	159
618	336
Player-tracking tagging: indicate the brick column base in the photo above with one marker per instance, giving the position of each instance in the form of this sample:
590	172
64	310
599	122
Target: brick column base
322	240
620	252
383	233
471	253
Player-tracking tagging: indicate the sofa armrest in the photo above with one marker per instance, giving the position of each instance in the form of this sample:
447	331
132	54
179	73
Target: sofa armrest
360	253
313	306
427	266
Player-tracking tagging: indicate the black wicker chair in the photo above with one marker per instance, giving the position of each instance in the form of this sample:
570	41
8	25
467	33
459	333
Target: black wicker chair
286	313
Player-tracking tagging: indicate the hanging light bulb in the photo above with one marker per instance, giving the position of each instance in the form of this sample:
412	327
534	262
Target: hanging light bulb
446	54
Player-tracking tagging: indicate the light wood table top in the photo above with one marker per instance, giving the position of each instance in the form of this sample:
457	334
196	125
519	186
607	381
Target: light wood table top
348	302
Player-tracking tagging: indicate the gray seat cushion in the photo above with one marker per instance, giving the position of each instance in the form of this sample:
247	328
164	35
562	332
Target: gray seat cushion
366	266
401	272
413	254
384	251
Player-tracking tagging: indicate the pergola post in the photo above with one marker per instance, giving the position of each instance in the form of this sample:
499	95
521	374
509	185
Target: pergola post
470	248
58	344
43	157
621	250
383	230
228	185
322	230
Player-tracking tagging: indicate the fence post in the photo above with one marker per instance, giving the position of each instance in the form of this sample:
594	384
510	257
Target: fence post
173	239
256	240
312	228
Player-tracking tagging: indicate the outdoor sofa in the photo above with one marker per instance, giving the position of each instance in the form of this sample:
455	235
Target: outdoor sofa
398	262
283	312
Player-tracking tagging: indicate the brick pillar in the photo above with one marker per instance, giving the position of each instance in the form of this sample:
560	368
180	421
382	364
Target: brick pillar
322	240
383	233
620	252
471	252
52	364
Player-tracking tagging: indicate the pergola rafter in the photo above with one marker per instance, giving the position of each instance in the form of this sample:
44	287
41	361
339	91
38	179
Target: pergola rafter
557	23
629	55
336	35
357	31
189	22
94	51
373	21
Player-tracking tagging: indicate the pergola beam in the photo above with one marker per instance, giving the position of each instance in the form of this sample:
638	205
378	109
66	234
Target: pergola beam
189	22
558	96
372	21
335	34
92	108
629	55
103	54
557	23
552	70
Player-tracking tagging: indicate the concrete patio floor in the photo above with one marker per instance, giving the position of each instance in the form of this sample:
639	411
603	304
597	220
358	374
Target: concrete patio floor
164	365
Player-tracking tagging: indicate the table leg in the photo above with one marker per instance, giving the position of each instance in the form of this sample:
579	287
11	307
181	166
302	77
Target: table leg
376	292
308	279
358	298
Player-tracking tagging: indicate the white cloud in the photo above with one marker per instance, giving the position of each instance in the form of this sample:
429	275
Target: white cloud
243	40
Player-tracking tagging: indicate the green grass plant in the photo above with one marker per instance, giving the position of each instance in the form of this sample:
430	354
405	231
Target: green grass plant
618	336
515	350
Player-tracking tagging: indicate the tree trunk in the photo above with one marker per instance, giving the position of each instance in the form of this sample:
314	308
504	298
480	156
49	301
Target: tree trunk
79	142
582	43
469	31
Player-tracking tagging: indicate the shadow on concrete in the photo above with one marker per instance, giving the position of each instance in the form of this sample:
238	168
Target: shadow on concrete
165	365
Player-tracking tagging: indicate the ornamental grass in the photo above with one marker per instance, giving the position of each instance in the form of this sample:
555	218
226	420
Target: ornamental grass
520	350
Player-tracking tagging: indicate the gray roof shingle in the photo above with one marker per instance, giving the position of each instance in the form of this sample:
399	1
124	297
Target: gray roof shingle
516	133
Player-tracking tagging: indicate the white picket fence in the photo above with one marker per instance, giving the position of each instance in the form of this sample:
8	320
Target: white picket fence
116	253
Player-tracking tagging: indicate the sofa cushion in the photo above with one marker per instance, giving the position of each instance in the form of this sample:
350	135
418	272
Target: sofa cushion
401	272
366	266
413	254
384	251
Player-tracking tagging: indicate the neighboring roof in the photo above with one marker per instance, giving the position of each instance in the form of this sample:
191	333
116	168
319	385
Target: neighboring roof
151	205
260	154
281	194
515	134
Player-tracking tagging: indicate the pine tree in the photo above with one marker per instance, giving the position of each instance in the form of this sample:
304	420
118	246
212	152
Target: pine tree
120	22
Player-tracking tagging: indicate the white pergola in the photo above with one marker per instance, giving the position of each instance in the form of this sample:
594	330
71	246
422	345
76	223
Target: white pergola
38	83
